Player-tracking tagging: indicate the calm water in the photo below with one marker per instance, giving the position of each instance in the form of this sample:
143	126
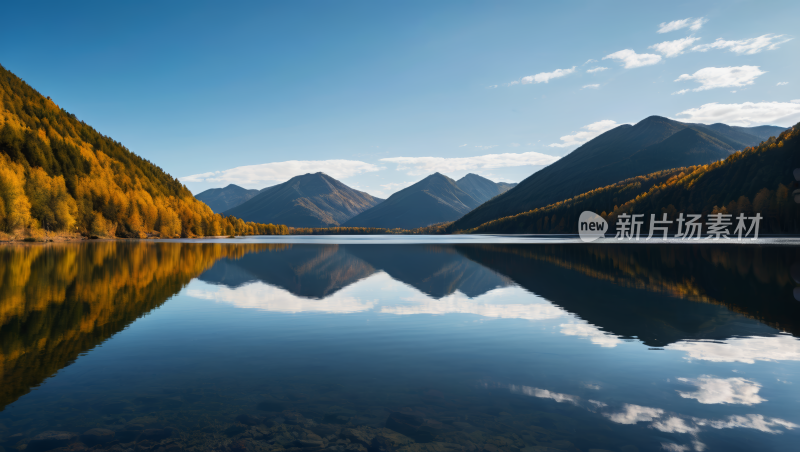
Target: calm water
374	345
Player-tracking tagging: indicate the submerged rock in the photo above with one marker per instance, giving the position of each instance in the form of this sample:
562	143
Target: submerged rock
235	429
388	441
246	419
271	405
339	419
415	427
155	434
97	436
50	440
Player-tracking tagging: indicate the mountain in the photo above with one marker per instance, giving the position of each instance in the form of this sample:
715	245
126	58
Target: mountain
481	188
57	174
307	201
435	199
756	180
222	199
653	144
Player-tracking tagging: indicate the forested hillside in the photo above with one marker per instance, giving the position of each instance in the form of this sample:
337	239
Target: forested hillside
755	180
59	174
653	144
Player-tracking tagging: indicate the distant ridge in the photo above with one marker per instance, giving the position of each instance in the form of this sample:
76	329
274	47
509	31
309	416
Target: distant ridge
308	201
481	188
435	199
653	144
222	199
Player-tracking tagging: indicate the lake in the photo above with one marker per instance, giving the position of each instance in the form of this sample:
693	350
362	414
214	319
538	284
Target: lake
413	344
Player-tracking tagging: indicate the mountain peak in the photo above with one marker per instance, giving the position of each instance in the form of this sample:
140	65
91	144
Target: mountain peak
306	200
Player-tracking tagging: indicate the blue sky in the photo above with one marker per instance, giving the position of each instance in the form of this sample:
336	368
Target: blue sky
380	94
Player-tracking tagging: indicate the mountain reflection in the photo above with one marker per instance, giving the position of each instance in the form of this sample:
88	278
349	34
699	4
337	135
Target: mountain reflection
714	303
58	301
656	293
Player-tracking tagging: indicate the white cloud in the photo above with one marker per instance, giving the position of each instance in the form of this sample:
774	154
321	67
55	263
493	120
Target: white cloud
515	82
462	145
492	86
597	69
594	334
683	91
754	421
488	305
694	25
394	186
723	77
723	390
418	166
264	297
783	347
674	48
782	83
631	59
674	424
486	146
283	171
594	85
744	114
745	46
592	130
598	404
589	61
632	414
672	447
545	394
545	77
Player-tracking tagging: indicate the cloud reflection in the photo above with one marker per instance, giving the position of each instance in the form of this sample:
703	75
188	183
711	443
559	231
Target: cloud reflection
593	333
712	390
754	421
632	414
485	306
747	350
269	298
545	394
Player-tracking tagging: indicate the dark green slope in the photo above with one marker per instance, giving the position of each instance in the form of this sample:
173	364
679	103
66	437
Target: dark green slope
481	188
435	199
653	144
307	201
222	199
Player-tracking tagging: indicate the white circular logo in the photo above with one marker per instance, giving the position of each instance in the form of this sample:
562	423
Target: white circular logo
591	226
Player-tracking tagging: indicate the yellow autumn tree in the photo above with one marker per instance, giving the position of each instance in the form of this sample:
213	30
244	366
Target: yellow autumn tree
14	205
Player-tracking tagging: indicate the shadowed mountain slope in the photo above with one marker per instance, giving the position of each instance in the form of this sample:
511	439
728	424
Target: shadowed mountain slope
653	144
435	199
309	201
222	199
481	188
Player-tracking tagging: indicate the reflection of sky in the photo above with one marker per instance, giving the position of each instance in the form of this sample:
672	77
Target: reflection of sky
380	293
710	390
396	298
783	347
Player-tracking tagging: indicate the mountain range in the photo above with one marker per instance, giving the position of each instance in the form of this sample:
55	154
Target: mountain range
308	201
655	143
435	199
222	199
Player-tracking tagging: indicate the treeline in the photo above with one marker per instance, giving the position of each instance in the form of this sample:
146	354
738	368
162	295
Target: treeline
439	228
755	180
59	174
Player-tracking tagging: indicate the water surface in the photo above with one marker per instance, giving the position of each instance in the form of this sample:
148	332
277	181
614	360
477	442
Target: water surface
371	344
